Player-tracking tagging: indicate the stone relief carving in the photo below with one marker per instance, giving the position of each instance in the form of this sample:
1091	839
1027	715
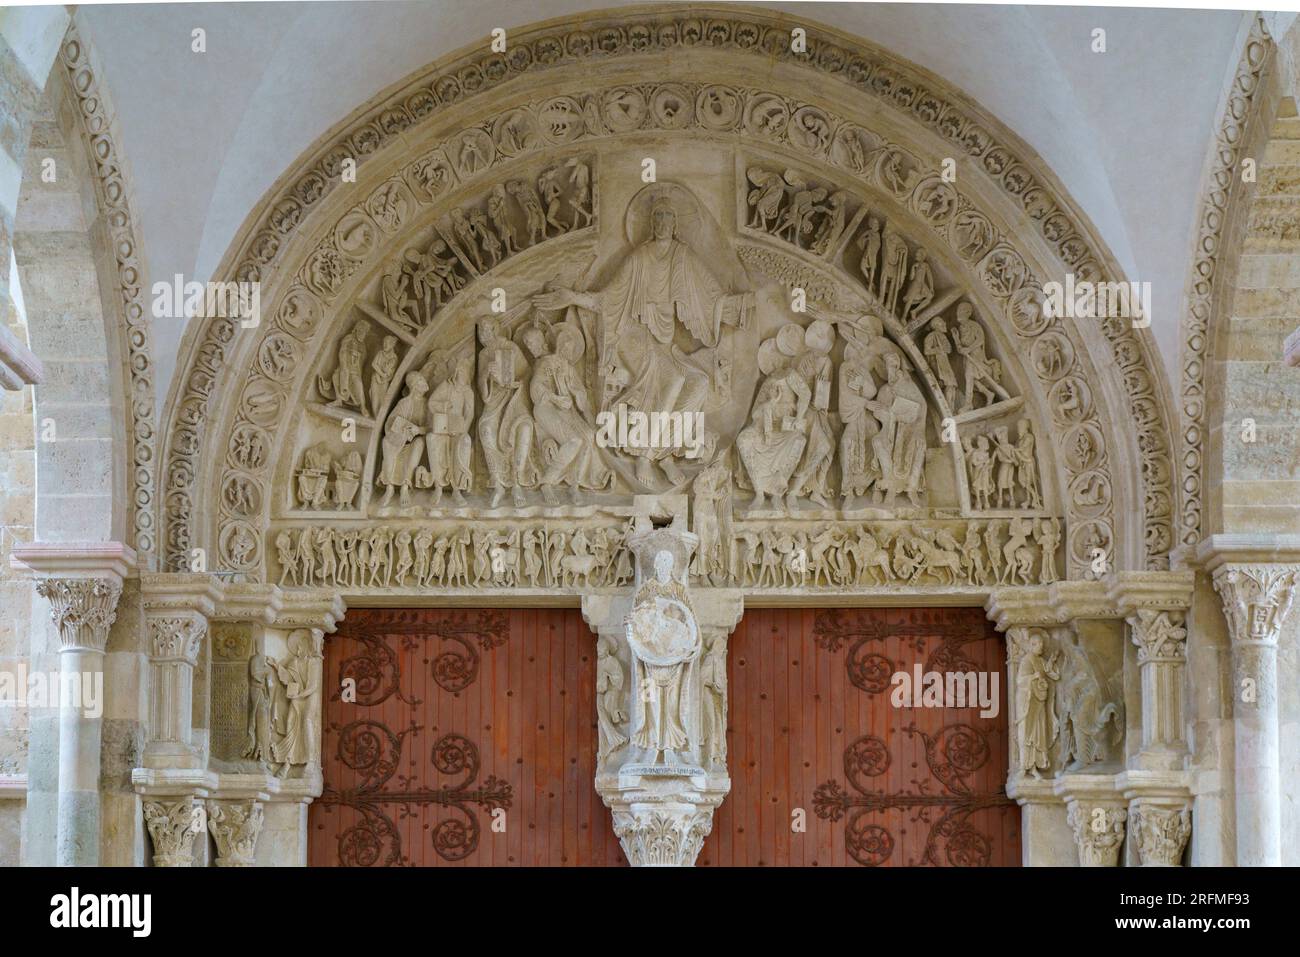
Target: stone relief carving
1037	725
1091	716
172	827
566	119
296	703
235	826
1161	833
1099	832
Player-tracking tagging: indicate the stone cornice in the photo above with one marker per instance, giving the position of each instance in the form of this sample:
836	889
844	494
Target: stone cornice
1150	591
211	597
1217	550
74	559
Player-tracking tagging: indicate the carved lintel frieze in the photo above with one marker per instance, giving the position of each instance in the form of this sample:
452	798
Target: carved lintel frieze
173	824
235	826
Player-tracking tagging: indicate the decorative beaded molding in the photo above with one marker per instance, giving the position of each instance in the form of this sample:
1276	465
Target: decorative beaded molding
903	87
110	190
1218	196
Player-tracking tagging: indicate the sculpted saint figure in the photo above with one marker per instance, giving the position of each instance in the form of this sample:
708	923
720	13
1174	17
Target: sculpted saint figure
261	687
899	407
345	386
447	441
665	642
382	367
566	438
400	452
772	444
1036	722
713	678
300	676
609	699
505	427
662	295
711	521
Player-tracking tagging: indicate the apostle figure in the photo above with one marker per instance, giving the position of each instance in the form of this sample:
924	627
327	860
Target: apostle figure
1036	721
899	407
300	676
772	444
261	686
561	410
505	427
447	441
665	642
400	452
713	678
662	287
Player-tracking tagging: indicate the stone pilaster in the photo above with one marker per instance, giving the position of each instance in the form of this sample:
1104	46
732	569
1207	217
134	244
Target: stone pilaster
235	826
173	825
82	583
174	646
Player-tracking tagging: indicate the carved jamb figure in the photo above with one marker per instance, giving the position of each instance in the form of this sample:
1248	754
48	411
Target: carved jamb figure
1091	722
449	447
713	679
610	698
505	426
665	642
400	450
261	689
1036	721
300	677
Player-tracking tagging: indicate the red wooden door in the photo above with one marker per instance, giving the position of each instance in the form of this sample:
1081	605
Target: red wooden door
461	719
812	730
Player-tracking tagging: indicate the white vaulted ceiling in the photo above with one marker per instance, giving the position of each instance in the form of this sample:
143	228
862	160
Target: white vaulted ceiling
204	136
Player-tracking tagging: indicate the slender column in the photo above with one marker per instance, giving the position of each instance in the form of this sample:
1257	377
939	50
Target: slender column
174	644
1256	598
83	609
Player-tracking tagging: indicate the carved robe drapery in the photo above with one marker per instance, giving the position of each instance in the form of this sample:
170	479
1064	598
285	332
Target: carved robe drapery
665	642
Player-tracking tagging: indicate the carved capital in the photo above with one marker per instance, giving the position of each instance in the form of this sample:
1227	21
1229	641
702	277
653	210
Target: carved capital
82	609
1099	832
1161	833
665	835
172	826
1159	635
176	639
235	826
1256	598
